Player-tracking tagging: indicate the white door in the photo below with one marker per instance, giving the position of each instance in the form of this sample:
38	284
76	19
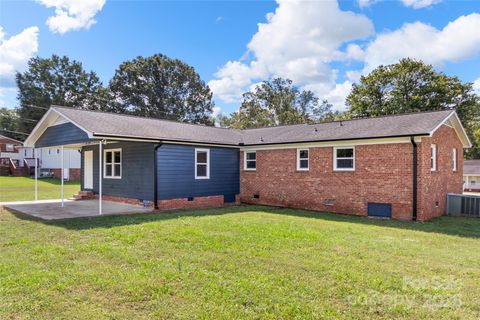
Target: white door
88	169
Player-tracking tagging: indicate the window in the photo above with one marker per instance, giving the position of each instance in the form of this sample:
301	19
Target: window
473	182
250	160
302	159
454	159
9	147
433	157
112	164
202	164
344	159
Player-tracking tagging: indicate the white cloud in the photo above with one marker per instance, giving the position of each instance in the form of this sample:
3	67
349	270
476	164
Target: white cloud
418	4
338	95
15	53
366	3
72	14
476	86
458	40
298	41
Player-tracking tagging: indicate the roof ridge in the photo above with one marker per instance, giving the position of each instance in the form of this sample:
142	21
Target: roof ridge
354	119
140	117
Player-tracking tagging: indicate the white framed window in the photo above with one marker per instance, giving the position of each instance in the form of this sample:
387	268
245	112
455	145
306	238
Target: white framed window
433	157
303	159
454	159
344	158
112	163
202	163
250	161
9	147
473	182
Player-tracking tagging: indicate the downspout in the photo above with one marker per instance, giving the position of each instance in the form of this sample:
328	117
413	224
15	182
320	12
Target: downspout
414	178
155	176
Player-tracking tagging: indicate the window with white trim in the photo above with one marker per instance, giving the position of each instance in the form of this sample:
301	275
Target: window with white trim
433	157
454	159
112	168
303	159
202	163
344	158
250	162
9	147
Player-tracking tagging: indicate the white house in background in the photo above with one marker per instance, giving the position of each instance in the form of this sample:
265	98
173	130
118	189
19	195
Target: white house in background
50	159
471	175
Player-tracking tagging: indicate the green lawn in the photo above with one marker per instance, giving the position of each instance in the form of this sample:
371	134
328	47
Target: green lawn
239	262
22	188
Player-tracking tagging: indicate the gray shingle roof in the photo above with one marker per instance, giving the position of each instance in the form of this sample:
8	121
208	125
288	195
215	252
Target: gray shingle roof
471	167
101	123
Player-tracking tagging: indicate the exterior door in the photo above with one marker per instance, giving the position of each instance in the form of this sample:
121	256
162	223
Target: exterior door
88	169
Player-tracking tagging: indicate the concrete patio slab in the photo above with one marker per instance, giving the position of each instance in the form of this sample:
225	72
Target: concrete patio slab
52	209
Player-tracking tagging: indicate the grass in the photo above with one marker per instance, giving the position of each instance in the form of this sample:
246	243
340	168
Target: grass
22	188
238	262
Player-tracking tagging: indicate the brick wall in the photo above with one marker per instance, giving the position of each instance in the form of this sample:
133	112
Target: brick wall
74	174
434	185
383	174
173	204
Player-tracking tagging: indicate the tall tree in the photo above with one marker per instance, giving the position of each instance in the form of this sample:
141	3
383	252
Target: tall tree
277	102
9	121
161	87
56	81
411	86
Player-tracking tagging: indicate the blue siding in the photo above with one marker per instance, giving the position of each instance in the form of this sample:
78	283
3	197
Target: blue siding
137	171
62	134
176	172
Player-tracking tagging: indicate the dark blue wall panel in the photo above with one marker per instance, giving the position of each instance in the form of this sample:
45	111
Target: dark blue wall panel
137	171
380	210
62	134
176	172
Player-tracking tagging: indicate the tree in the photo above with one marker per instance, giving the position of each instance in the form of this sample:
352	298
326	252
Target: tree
160	87
276	102
56	81
412	86
9	121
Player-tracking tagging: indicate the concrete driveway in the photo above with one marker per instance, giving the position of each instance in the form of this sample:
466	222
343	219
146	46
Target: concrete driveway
52	209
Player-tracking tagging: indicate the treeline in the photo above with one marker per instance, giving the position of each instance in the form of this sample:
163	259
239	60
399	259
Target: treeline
166	88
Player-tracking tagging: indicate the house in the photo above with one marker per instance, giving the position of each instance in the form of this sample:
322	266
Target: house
471	175
8	155
49	160
398	166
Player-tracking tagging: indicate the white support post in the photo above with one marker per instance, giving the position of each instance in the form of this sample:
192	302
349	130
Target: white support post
100	176
36	173
63	177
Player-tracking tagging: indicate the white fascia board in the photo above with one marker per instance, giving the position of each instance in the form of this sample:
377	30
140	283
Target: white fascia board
457	126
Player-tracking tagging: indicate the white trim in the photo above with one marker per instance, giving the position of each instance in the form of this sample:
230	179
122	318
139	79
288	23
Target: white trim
245	160
454	159
326	144
298	159
433	157
113	163
335	158
207	163
457	126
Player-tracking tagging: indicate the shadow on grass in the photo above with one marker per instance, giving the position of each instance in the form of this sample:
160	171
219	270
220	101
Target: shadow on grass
455	226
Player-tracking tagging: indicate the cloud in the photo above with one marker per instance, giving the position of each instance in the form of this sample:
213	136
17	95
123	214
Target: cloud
366	3
15	53
458	40
72	14
476	86
418	4
298	41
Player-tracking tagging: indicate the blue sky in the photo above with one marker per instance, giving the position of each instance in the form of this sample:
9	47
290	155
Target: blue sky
322	45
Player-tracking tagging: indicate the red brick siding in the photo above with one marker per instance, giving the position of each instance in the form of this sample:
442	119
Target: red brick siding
383	174
173	204
433	186
75	174
5	141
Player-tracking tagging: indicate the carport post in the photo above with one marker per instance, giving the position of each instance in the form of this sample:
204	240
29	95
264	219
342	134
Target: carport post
36	173
100	176
63	176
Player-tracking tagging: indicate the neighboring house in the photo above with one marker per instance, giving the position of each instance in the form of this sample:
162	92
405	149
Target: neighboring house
49	159
9	147
471	175
398	166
